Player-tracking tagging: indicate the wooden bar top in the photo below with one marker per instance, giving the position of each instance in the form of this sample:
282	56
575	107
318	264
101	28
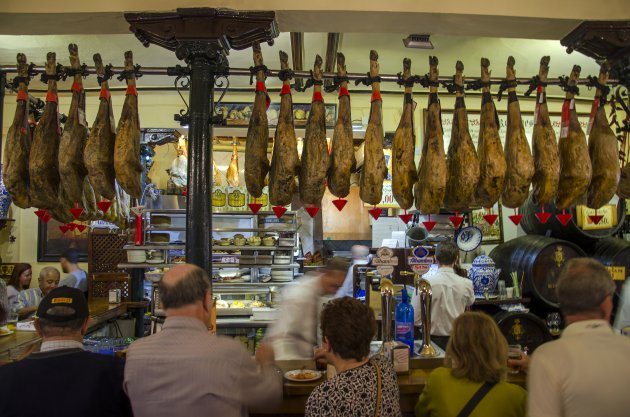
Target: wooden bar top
410	386
100	311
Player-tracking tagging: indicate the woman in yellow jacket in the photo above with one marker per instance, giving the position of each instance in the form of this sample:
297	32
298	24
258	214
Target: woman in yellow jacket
476	366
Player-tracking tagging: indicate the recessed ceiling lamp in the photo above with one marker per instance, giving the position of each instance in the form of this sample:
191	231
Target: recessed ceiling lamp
418	41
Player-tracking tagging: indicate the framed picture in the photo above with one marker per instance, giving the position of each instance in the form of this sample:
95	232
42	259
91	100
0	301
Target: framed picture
52	242
491	234
238	114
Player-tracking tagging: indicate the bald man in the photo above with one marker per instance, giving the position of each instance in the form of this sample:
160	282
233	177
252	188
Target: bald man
185	370
28	300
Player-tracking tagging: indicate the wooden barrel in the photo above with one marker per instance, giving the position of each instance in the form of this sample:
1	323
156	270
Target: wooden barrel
572	232
523	329
540	258
614	253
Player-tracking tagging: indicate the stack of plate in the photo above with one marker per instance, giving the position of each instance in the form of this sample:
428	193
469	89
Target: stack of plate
136	256
281	275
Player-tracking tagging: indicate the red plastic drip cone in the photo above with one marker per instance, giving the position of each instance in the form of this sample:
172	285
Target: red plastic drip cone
543	217
456	220
516	218
279	210
63	228
564	218
340	203
312	211
596	218
254	207
490	218
406	218
81	227
104	205
375	213
41	213
76	211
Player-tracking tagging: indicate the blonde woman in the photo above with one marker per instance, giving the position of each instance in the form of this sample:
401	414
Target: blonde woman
476	366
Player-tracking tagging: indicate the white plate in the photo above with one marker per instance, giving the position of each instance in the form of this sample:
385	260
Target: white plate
290	375
490	297
155	261
469	238
6	332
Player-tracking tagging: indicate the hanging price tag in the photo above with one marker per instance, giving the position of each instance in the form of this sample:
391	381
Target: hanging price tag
564	121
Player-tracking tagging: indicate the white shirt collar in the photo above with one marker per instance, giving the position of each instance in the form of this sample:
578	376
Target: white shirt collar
60	344
584	326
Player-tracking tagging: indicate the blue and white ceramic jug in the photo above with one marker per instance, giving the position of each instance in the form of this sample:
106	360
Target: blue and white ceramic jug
5	198
484	275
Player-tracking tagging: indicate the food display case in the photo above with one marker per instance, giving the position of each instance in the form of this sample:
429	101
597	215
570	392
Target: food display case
253	257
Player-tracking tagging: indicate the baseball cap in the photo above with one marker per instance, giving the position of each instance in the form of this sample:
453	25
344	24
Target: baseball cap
70	297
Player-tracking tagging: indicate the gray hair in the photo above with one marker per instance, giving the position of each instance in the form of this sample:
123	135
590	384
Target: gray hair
582	285
446	253
52	328
190	289
47	270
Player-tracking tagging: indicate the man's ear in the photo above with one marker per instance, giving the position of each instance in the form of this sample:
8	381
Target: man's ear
38	327
207	301
85	326
606	307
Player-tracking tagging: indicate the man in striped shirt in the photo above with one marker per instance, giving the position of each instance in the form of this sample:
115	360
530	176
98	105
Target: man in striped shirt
28	300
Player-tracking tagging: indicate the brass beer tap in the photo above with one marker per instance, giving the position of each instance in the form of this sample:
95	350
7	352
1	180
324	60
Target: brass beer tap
424	287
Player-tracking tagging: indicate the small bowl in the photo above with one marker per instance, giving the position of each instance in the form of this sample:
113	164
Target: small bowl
254	240
239	241
153	276
225	242
269	241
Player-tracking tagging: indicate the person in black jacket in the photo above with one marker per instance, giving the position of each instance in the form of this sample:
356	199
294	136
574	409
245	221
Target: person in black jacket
68	381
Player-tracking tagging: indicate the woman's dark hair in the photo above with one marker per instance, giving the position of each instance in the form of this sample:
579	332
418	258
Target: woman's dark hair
15	276
349	326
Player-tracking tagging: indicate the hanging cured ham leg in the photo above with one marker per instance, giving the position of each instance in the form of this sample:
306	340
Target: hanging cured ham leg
18	143
285	162
603	150
492	165
545	146
232	171
518	155
462	160
99	149
342	160
404	174
575	163
374	169
315	158
256	161
431	186
72	170
127	149
44	162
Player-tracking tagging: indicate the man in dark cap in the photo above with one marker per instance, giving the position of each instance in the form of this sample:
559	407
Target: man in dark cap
72	382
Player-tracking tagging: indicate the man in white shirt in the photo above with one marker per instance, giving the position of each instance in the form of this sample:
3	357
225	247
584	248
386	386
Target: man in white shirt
76	278
28	300
451	294
586	372
360	255
295	332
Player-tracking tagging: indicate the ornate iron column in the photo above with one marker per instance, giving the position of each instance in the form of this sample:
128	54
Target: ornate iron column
202	37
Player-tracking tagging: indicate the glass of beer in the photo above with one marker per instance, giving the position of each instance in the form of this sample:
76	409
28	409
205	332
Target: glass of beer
514	352
12	319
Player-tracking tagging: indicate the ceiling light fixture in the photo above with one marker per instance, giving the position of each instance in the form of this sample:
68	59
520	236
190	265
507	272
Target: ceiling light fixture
418	42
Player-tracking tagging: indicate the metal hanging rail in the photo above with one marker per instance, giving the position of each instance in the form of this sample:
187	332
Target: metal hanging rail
307	74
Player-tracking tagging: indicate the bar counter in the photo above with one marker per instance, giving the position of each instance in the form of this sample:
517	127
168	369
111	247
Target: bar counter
410	385
100	312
